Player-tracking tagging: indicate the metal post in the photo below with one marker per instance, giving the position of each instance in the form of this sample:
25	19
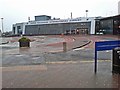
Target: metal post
86	13
95	68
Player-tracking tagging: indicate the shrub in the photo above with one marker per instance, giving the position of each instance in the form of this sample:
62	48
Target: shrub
24	39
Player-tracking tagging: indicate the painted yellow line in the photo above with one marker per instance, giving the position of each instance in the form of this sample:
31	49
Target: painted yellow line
43	67
73	62
86	61
104	60
24	68
55	51
61	62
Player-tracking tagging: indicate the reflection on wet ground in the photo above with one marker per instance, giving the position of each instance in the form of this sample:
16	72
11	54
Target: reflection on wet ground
48	49
45	62
61	75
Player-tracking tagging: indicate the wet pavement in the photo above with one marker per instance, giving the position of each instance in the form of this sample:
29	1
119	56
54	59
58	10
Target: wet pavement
42	49
50	48
61	75
45	62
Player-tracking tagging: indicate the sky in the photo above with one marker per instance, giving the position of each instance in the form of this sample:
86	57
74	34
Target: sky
17	11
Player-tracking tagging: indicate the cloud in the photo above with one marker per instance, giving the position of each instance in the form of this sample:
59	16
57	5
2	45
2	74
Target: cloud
15	11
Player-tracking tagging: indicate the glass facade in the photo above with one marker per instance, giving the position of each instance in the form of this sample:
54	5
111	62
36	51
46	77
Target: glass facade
106	26
59	28
13	30
116	25
19	30
110	25
42	18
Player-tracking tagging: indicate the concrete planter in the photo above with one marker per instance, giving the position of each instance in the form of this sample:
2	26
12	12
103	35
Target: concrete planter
24	44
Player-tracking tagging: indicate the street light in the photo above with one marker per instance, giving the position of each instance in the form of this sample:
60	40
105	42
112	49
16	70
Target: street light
2	25
86	13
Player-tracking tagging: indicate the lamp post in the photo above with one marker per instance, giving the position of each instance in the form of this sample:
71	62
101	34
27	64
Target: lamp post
2	25
86	13
85	30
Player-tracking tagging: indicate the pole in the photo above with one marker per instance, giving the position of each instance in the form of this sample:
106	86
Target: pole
71	15
2	25
95	68
95	65
28	19
86	14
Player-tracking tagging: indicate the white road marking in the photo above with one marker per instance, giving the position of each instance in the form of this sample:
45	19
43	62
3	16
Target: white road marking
77	49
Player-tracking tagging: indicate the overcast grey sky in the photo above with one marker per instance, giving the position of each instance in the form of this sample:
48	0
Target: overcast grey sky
15	11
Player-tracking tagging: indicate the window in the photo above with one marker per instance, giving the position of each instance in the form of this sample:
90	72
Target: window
13	30
19	30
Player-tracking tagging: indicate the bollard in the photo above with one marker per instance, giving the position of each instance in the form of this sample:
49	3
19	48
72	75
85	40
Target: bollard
64	46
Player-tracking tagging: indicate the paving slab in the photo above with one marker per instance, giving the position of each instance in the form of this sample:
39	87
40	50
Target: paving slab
60	75
47	66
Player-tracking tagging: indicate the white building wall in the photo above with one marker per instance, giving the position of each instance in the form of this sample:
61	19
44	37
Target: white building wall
23	30
81	19
119	7
15	28
22	26
92	31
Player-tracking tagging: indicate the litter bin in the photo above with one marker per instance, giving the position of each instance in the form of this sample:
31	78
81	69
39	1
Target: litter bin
116	60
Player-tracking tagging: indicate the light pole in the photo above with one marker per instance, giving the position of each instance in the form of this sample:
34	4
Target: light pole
86	13
2	25
86	30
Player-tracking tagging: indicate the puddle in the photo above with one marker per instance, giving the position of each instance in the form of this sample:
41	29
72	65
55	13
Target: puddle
36	57
19	55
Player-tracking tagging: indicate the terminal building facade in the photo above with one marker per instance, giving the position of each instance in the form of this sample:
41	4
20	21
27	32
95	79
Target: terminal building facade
110	25
44	25
119	7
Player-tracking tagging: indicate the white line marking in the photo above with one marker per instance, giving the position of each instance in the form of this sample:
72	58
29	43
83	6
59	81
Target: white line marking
78	49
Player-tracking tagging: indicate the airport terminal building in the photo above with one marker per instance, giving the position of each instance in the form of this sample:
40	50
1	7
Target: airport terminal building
44	25
110	25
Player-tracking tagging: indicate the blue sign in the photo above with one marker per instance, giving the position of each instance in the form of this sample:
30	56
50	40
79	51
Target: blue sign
105	45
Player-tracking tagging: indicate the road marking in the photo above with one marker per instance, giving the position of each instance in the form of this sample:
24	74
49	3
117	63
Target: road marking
74	62
24	68
55	51
19	55
43	67
77	49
